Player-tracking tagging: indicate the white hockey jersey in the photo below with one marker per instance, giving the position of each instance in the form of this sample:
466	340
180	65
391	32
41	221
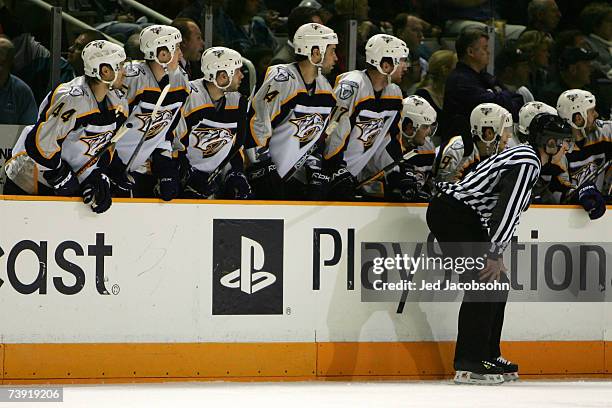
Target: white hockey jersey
286	117
209	132
143	91
369	124
72	126
454	162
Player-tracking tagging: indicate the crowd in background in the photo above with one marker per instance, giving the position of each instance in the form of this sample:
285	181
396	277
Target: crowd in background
542	47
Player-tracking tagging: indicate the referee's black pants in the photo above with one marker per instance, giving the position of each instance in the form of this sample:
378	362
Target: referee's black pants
481	317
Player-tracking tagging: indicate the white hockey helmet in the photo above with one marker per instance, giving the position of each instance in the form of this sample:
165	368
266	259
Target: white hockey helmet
490	115
217	59
420	112
99	52
312	35
156	36
382	46
575	101
528	112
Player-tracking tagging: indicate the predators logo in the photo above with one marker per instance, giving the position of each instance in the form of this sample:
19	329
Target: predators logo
308	127
95	142
161	122
369	131
211	140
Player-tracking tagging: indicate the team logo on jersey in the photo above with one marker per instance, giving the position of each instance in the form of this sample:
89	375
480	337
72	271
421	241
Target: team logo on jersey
308	127
211	140
96	142
347	89
581	175
161	122
369	130
283	75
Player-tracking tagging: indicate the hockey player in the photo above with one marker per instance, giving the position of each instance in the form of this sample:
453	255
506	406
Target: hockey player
153	165
593	149
213	128
288	116
491	128
485	207
410	180
554	178
371	105
76	120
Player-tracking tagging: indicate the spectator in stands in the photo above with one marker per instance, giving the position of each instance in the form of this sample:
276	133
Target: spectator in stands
192	46
462	14
410	29
512	69
574	73
298	17
75	50
469	85
324	12
543	15
596	19
132	48
413	76
239	27
17	105
537	45
441	64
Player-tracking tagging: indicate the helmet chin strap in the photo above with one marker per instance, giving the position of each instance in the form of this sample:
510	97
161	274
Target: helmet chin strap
224	88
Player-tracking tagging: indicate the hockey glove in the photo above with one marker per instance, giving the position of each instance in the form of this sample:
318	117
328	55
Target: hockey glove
197	184
63	181
342	185
237	186
122	183
592	201
410	185
97	191
265	180
167	171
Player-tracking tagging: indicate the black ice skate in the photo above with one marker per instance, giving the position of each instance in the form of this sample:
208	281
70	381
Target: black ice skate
510	369
478	372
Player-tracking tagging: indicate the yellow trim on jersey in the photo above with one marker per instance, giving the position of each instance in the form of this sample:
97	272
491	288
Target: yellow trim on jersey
207	105
232	107
391	97
91	112
51	103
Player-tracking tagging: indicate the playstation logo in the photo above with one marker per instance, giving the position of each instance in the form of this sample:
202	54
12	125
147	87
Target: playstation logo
249	277
247	267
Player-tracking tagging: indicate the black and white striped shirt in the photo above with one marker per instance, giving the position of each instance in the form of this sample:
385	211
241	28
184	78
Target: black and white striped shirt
499	190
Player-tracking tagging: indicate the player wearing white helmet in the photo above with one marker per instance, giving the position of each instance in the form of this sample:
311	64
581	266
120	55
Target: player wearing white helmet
371	105
593	148
153	164
526	115
213	128
288	116
76	122
491	127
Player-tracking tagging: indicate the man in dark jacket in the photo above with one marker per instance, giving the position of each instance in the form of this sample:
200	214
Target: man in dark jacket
469	85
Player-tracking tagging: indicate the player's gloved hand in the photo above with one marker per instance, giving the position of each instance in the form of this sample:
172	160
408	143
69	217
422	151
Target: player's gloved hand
592	201
63	181
265	180
342	185
97	191
122	182
318	180
198	184
237	186
167	171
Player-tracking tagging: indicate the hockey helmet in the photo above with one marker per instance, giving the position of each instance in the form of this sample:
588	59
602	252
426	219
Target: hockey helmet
217	59
97	53
382	46
529	111
575	101
546	126
420	112
156	36
313	35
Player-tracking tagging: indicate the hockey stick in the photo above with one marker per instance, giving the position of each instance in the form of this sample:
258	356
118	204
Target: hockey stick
118	135
160	100
589	179
334	119
407	156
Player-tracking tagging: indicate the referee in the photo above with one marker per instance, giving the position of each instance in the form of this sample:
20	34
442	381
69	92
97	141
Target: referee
477	217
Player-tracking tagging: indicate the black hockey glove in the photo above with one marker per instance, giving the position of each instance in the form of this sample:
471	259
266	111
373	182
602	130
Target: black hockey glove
265	180
166	170
342	185
197	184
592	201
410	185
122	183
63	181
97	191
237	186
318	180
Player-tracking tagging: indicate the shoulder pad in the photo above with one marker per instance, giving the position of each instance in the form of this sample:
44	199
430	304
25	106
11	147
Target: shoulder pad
347	88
